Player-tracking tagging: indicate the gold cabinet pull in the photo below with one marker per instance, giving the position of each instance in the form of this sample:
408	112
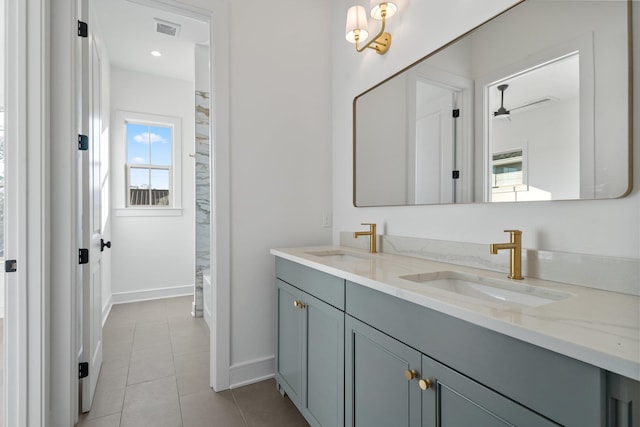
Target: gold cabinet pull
425	384
298	304
410	374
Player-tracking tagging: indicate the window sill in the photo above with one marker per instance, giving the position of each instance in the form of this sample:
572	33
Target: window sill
148	212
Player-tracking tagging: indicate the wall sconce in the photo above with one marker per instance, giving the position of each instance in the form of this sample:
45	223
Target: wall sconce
357	30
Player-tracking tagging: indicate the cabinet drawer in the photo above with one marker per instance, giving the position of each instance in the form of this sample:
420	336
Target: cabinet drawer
564	389
323	286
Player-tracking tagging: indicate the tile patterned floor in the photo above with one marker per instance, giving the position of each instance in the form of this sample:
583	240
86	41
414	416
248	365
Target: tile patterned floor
156	372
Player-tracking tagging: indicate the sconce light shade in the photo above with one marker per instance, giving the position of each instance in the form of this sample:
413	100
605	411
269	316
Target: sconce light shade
378	6
356	24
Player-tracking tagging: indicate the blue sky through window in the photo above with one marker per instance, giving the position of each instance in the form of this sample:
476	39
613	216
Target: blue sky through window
148	145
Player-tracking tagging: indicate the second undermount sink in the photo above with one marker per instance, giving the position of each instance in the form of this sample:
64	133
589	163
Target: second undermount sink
489	289
339	255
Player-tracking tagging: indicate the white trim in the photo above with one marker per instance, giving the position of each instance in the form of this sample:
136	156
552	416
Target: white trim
220	198
251	372
106	309
119	154
584	44
16	366
60	160
149	294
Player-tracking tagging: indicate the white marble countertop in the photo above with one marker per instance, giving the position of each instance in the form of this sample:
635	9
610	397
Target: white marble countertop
597	327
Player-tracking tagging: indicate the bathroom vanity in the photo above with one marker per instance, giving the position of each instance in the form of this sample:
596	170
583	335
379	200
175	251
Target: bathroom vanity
387	340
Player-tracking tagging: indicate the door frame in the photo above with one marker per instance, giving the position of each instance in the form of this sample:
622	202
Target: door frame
41	295
217	15
27	348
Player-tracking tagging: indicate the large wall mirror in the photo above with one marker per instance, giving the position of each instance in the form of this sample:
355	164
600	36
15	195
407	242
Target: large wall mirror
532	105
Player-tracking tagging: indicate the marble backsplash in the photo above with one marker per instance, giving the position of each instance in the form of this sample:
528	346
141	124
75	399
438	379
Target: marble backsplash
600	272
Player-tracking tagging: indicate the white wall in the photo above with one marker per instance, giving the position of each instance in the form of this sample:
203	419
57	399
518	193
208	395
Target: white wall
152	256
280	154
553	147
601	227
383	142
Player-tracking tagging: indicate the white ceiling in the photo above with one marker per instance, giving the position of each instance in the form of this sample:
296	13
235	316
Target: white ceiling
129	32
558	80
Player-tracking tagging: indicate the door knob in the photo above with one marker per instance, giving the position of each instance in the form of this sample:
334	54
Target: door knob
425	384
410	374
103	244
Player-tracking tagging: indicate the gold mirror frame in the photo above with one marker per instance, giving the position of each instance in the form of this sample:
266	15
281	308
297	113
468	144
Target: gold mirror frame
629	185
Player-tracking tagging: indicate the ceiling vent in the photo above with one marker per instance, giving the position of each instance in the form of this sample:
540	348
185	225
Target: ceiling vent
165	27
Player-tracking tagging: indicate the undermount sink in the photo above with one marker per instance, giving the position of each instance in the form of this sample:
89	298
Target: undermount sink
489	289
339	255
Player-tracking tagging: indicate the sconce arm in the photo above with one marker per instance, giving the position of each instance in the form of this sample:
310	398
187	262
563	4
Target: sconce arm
382	40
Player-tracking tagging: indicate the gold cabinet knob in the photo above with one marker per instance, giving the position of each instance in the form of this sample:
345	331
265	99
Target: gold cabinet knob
298	304
425	384
410	374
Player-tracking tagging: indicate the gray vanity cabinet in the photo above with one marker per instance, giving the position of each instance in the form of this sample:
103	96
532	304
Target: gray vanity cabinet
310	345
289	351
383	389
453	400
476	372
377	391
350	355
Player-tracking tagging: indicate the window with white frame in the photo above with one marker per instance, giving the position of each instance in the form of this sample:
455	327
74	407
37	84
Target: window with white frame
149	164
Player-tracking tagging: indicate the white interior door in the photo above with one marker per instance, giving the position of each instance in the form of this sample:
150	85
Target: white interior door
434	152
91	196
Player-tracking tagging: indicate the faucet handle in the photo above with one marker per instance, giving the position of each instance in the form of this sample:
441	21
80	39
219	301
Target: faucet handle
513	231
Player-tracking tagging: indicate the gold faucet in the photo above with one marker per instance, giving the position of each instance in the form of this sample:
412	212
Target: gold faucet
515	247
372	236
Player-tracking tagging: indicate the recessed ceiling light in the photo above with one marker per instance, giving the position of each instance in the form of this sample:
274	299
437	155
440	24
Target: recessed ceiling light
155	53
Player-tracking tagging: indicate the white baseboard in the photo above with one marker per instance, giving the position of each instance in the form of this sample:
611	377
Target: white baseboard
149	294
251	372
106	309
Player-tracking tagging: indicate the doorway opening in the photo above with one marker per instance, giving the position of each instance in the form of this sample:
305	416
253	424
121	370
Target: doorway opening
157	59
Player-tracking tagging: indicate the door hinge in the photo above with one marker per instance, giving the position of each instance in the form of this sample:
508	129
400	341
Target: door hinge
83	29
83	370
83	142
83	256
10	266
456	113
455	174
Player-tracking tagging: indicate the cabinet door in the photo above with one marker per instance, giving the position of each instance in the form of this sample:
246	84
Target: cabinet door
454	400
377	393
289	341
323	384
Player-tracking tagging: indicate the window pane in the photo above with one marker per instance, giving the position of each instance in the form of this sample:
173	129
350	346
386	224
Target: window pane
160	145
159	187
137	143
138	186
